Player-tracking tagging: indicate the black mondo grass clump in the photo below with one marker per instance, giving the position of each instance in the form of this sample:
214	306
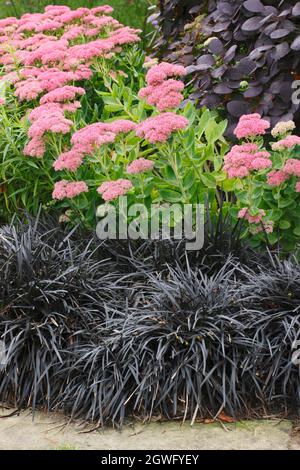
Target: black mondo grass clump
52	290
185	345
177	352
108	330
271	299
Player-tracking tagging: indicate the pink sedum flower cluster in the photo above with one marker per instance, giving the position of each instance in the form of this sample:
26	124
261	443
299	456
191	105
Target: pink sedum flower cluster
251	125
159	128
68	189
257	223
88	139
111	190
286	143
290	168
162	91
245	158
45	54
139	166
256	219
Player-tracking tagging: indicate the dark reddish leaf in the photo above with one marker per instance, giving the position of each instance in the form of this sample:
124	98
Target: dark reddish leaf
296	44
253	24
255	6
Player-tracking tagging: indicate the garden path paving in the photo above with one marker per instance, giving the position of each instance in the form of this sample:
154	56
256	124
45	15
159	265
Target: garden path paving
54	431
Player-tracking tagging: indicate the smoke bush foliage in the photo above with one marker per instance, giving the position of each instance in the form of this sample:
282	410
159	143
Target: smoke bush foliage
241	54
102	332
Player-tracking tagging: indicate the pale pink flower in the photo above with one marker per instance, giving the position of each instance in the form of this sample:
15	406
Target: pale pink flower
266	226
65	93
104	9
164	96
259	163
287	143
276	178
159	128
242	159
68	189
110	190
298	187
252	219
251	125
160	72
292	167
35	148
139	166
70	160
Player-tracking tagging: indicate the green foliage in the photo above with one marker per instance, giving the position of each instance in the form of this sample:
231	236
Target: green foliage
187	168
129	12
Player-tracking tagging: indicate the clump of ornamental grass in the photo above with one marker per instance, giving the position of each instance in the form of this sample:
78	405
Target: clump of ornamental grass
53	291
221	239
177	352
271	299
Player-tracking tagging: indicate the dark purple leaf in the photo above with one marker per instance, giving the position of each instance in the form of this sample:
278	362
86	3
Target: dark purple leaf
255	6
234	85
221	27
296	44
222	89
195	9
226	8
216	47
285	13
211	101
296	9
253	24
259	51
270	28
286	91
252	92
281	51
245	66
219	72
230	53
238	108
270	11
279	33
205	62
275	87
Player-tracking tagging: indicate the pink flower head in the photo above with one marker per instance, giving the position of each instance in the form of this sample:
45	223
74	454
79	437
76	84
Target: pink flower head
251	125
35	148
252	219
292	167
276	178
259	163
164	96
139	166
70	160
113	189
160	72
2	101
104	9
65	93
121	126
287	143
159	128
242	159
66	189
298	187
90	137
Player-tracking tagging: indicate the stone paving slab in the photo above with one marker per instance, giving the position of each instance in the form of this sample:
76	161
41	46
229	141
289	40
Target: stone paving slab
54	431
